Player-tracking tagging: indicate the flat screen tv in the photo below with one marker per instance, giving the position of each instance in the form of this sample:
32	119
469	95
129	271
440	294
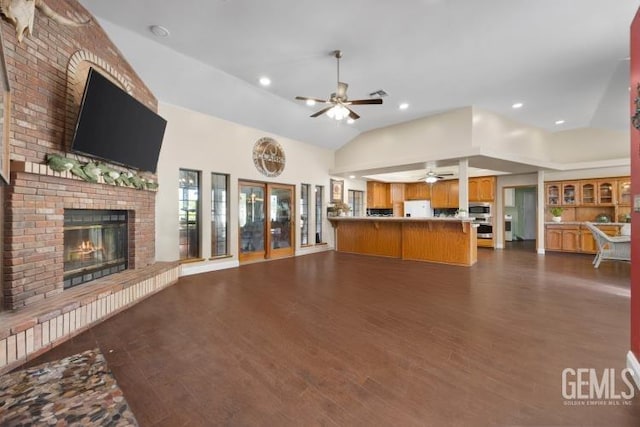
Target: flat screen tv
114	126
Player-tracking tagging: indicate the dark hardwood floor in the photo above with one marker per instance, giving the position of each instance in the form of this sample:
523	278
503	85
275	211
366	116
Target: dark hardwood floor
338	339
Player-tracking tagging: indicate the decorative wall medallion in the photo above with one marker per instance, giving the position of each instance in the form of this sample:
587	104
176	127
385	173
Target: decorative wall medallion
635	119
268	156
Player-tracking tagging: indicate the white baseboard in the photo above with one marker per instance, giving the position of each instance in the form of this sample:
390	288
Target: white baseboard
499	246
306	250
207	266
634	365
540	251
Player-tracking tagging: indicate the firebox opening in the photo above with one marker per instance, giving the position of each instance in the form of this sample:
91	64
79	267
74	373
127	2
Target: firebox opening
95	244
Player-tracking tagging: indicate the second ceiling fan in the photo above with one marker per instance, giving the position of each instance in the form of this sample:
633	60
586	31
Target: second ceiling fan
339	104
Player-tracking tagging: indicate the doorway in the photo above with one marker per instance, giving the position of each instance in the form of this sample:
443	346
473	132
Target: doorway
520	217
265	214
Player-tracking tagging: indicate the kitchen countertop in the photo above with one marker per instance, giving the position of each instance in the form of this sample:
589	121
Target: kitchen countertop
398	218
619	224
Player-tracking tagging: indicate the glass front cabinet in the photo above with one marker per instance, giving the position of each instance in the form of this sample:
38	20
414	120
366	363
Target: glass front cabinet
606	192
552	193
624	192
569	193
588	193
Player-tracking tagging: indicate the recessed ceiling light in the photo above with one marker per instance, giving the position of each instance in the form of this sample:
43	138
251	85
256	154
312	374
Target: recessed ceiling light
350	121
352	176
159	31
311	102
403	106
559	122
265	81
517	105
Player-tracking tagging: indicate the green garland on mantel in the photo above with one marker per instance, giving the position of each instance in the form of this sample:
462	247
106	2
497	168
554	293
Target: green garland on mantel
91	172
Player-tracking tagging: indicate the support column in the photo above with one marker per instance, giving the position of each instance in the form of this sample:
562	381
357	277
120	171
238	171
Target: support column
463	184
540	216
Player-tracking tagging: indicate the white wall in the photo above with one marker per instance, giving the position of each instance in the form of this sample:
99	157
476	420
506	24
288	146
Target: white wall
504	138
470	132
588	144
588	173
197	141
445	135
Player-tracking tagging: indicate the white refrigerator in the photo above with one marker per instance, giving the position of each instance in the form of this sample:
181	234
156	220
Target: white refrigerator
418	209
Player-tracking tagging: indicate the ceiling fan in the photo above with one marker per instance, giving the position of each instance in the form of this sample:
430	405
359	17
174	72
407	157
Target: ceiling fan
432	177
339	104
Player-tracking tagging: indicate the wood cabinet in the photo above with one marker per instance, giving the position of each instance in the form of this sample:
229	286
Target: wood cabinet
444	194
397	198
574	237
569	193
571	239
417	191
624	192
378	195
553	238
607	190
588	193
552	193
562	238
482	189
586	199
587	242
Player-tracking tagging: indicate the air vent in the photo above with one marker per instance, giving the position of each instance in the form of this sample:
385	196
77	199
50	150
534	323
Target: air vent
379	93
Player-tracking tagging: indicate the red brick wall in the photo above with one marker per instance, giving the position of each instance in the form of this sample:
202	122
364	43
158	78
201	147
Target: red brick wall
35	203
37	75
635	189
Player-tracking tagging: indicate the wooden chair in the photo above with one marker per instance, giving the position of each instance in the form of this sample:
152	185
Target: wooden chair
613	248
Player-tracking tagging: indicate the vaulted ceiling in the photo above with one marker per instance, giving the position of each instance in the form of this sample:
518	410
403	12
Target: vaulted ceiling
563	59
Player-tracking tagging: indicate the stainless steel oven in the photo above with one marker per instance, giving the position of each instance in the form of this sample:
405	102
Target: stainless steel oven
485	227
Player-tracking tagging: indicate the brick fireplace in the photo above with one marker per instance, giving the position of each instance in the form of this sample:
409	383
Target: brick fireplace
47	73
34	227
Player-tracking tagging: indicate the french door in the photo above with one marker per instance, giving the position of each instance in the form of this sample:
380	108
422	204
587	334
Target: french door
266	226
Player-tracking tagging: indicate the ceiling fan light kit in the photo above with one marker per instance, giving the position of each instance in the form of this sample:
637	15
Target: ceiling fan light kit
339	103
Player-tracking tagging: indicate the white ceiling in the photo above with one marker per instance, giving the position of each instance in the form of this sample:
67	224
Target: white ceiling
564	59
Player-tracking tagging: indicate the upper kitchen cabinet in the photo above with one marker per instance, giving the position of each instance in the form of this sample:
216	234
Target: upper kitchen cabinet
417	191
607	189
588	191
378	195
397	198
444	194
569	193
624	191
552	193
482	189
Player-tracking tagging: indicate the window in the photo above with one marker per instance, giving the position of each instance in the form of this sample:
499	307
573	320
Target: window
319	201
356	202
304	213
189	214
219	215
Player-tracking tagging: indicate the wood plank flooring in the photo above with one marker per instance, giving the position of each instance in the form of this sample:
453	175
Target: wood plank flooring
340	339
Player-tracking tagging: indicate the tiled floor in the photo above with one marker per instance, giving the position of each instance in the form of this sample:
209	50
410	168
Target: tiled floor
338	339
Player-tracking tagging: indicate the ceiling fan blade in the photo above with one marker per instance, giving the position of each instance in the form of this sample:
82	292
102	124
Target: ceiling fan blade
321	112
352	114
365	101
341	93
306	98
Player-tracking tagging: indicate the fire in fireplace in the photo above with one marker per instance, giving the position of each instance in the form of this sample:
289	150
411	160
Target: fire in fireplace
95	244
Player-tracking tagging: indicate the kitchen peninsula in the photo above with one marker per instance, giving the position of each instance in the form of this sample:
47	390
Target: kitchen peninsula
441	240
